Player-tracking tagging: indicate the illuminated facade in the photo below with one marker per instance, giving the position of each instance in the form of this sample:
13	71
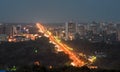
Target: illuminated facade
81	30
6	29
111	28
118	32
70	30
93	28
3	37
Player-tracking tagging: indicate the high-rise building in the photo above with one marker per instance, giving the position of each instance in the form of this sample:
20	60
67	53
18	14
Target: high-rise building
93	28
111	28
118	32
8	30
81	29
70	30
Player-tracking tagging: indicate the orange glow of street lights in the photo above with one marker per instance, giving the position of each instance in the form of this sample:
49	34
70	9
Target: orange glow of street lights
76	61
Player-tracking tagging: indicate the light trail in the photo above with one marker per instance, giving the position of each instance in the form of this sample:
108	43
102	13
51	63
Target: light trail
76	60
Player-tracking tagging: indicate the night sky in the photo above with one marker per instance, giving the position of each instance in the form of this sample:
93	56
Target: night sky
51	11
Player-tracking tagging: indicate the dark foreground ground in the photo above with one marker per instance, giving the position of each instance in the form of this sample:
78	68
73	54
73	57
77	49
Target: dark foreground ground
36	68
26	53
22	56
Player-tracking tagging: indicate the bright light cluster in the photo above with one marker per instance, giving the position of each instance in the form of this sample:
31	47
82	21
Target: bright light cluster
76	60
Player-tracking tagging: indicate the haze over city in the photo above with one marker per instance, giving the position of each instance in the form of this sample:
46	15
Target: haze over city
54	11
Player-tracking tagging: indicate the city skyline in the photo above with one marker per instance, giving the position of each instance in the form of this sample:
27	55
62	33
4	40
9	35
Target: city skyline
47	11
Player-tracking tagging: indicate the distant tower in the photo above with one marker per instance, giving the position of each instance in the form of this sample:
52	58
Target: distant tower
14	30
94	28
118	32
111	28
81	30
19	28
70	30
66	30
